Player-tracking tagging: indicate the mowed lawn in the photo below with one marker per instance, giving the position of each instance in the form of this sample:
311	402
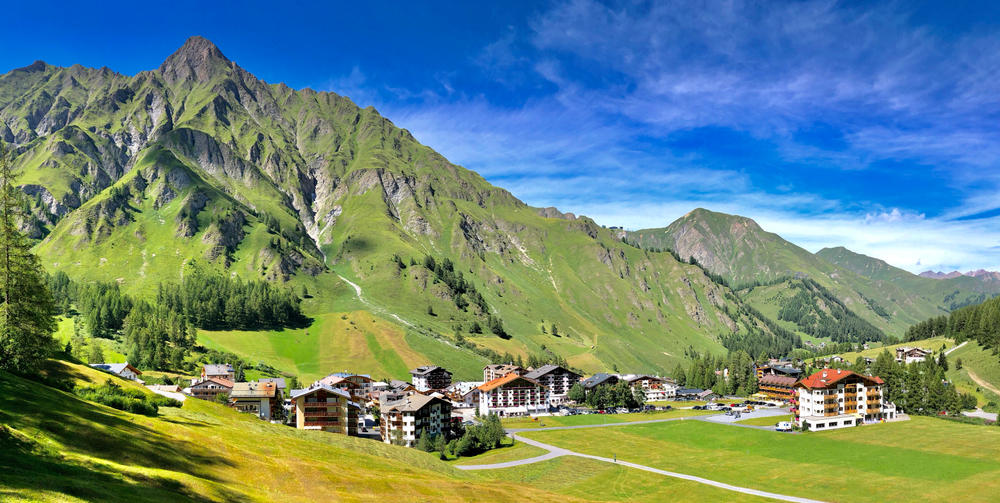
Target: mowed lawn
519	450
588	419
766	421
600	481
924	459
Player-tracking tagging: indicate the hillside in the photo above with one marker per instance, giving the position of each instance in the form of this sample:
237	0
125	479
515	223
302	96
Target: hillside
763	266
198	163
57	447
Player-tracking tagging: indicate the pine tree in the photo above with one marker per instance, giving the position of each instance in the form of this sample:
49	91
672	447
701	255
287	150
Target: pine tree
27	311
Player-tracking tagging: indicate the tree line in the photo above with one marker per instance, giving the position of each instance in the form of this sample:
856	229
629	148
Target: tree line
920	387
742	376
980	323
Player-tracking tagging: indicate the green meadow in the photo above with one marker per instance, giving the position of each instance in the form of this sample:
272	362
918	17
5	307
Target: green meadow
925	459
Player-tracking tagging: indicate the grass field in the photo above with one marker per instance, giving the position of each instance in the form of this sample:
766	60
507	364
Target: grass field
924	459
934	344
985	365
355	341
766	421
519	450
599	481
56	447
549	421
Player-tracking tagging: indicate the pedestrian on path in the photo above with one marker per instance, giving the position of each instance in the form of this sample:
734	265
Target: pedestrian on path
614	457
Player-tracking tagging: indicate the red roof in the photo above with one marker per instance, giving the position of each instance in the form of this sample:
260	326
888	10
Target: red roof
828	377
507	379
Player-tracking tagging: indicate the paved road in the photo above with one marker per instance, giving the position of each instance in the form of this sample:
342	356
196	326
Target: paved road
989	416
948	351
555	452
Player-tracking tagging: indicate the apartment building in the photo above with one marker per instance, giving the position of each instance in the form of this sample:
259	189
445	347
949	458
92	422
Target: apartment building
832	399
209	388
495	371
557	380
512	395
777	386
430	377
321	407
414	415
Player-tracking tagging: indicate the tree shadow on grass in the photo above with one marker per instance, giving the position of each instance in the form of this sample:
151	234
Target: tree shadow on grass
82	427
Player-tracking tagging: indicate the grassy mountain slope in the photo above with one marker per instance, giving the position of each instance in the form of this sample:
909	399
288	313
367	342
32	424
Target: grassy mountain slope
133	179
950	293
740	251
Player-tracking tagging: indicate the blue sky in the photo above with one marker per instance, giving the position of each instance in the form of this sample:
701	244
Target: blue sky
830	123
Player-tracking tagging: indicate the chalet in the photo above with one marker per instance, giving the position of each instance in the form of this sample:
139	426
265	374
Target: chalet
654	387
408	419
220	370
208	389
780	370
360	384
462	394
777	387
557	380
430	377
909	355
123	370
592	382
323	408
832	399
512	395
707	395
688	393
491	372
260	398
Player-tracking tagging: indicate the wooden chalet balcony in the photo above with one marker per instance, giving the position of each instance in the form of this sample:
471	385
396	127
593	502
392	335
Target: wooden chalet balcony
317	413
324	423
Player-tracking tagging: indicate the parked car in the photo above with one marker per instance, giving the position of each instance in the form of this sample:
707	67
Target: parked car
783	426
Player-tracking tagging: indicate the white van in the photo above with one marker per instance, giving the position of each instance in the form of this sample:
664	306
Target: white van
783	426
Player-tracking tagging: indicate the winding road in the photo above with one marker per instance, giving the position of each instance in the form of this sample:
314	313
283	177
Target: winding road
555	452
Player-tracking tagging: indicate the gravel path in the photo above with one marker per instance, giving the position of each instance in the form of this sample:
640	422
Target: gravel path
948	351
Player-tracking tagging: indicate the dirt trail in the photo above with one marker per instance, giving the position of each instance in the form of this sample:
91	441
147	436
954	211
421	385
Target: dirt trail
980	381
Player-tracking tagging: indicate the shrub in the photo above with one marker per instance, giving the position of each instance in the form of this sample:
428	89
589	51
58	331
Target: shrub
129	400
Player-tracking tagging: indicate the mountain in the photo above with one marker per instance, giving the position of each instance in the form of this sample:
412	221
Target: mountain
980	273
769	270
200	164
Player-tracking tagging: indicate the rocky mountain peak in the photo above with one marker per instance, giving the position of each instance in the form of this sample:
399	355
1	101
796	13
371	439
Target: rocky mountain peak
197	60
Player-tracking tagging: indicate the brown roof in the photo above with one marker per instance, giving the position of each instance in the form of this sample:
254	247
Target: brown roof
777	380
412	403
505	380
217	380
253	390
829	377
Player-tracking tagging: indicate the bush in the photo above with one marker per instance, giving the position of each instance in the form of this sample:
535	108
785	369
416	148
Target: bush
129	400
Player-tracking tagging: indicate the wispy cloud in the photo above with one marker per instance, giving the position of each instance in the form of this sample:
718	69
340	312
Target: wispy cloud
868	129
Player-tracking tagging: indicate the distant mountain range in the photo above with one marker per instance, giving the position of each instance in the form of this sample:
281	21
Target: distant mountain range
134	179
980	273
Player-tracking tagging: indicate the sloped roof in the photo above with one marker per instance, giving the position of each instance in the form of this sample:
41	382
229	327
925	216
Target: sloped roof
115	368
778	380
597	379
546	369
218	369
296	393
427	369
217	380
254	390
412	403
505	380
278	381
830	377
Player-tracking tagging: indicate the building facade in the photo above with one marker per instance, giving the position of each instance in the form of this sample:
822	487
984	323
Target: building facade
321	407
123	370
430	377
220	370
512	395
208	389
557	380
496	371
832	399
408	419
263	399
777	387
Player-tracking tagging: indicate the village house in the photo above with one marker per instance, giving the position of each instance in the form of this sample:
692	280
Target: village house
557	380
910	355
209	388
591	383
414	415
491	372
653	387
123	370
832	399
688	393
359	384
430	377
260	398
512	395
220	370
777	387
780	370
462	394
321	407
278	381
